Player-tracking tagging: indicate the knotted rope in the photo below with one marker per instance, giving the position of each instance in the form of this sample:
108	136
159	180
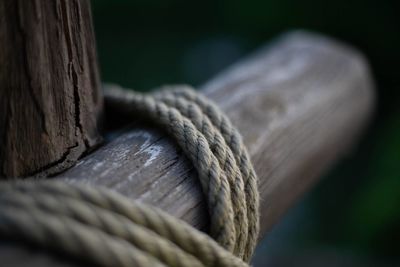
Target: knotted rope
109	230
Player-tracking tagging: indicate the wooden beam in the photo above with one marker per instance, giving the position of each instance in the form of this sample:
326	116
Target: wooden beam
49	80
300	105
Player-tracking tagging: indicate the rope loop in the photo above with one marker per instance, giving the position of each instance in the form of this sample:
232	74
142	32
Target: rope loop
109	230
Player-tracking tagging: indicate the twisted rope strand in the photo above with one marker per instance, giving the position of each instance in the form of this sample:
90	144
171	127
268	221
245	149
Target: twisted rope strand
110	230
188	102
213	179
68	236
226	159
107	221
104	211
235	142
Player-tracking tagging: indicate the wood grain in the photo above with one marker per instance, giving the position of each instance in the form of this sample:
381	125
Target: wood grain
301	104
49	97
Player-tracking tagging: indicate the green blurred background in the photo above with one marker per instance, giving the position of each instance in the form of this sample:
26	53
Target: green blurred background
351	218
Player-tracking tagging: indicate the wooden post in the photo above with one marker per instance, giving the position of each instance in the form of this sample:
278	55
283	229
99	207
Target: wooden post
50	96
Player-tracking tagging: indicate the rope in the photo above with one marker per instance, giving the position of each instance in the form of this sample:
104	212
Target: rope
109	230
234	140
105	227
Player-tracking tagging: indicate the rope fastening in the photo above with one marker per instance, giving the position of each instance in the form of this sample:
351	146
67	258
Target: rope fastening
107	229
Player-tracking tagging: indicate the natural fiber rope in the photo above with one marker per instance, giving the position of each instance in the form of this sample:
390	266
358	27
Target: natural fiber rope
111	231
105	227
234	140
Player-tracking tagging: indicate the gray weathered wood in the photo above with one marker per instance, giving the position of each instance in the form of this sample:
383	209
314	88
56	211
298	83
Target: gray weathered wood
49	96
300	105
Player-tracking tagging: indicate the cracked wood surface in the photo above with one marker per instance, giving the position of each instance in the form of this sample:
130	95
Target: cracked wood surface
49	97
300	104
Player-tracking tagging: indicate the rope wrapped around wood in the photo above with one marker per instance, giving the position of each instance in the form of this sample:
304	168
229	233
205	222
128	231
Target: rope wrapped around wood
107	229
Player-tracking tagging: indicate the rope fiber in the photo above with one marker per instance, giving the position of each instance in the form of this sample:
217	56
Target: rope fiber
106	229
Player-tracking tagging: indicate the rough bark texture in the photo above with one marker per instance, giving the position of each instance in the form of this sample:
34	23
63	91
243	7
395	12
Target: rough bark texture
49	86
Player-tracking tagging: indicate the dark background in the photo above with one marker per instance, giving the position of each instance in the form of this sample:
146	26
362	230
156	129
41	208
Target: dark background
351	218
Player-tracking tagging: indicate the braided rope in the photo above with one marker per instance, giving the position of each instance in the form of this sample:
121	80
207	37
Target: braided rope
112	231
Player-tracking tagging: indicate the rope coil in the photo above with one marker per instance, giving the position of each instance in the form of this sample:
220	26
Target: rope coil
110	230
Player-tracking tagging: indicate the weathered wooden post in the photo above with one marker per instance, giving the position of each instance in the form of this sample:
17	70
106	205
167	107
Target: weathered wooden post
50	97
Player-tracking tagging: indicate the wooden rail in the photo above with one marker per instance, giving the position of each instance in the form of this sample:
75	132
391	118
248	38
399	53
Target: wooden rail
300	104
